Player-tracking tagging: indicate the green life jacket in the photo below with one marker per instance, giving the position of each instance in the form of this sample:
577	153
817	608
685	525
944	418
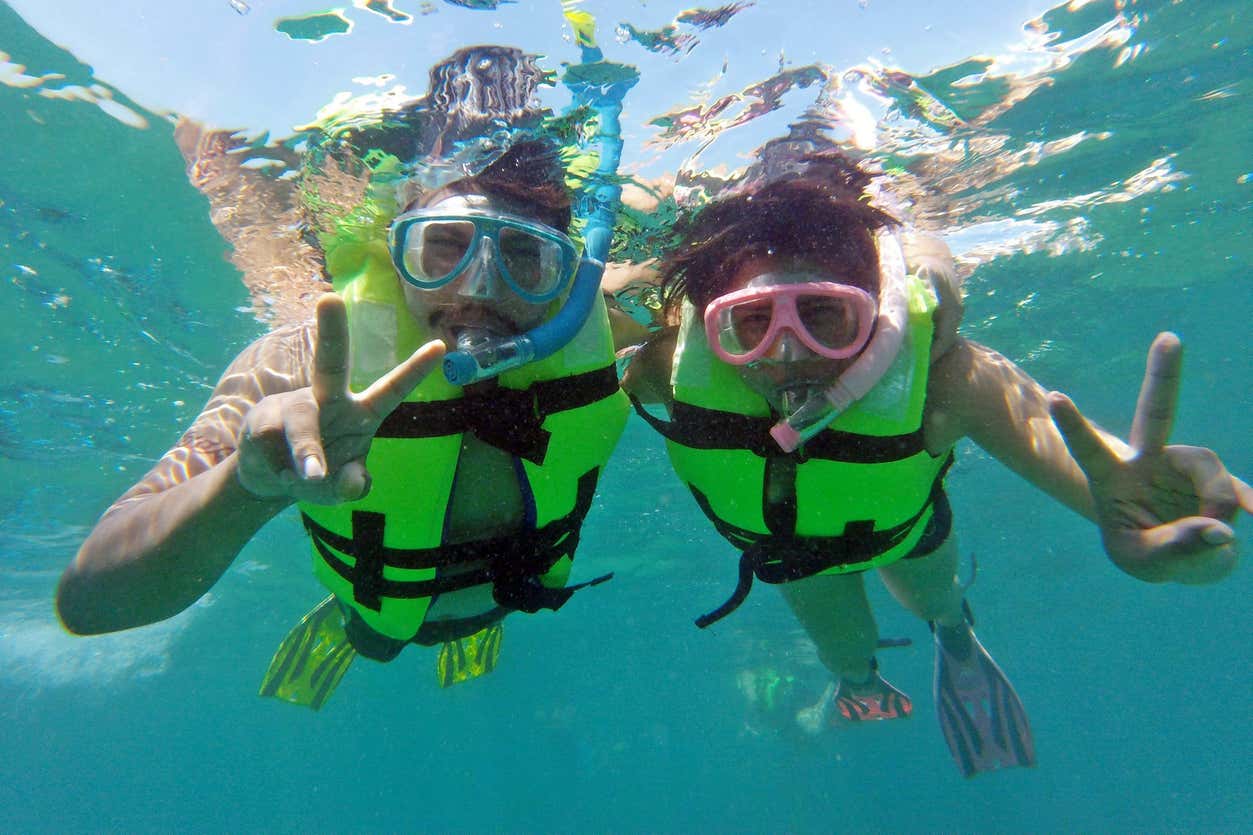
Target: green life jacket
864	488
559	418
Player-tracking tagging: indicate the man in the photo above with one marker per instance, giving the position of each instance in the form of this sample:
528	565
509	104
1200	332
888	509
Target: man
434	507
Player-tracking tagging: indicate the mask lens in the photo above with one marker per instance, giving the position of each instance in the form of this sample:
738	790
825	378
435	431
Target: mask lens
533	263
831	322
745	326
435	250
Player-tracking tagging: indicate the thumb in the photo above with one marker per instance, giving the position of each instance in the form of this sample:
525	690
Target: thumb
352	482
1245	494
393	387
1189	535
1174	550
1205	552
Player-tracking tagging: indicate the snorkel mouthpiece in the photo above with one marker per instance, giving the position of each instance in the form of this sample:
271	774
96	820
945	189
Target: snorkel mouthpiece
807	412
480	356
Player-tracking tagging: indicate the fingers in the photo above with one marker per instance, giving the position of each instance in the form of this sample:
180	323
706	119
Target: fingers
352	482
1090	451
948	289
1244	494
331	354
1195	549
280	445
389	390
349	483
304	438
1217	492
619	275
929	255
1155	410
948	315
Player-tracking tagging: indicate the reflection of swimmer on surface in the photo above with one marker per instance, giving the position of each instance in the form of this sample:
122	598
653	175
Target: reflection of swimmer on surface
815	388
771	697
436	503
775	691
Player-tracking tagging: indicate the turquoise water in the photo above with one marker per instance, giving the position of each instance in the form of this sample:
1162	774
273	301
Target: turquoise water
1106	205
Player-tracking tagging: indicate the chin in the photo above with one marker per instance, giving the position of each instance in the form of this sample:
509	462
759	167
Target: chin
782	376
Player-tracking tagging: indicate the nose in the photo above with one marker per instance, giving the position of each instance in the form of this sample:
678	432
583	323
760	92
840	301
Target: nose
787	347
481	281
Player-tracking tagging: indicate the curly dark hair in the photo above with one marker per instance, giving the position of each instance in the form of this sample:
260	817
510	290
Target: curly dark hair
528	175
820	215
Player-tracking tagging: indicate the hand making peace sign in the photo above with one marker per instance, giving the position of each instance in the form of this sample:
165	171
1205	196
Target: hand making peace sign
1164	511
310	444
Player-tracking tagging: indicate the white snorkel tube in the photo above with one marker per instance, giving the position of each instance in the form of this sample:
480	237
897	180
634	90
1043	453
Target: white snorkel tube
817	413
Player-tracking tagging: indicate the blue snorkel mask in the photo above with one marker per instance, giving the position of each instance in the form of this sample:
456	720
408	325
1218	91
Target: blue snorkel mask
601	86
434	247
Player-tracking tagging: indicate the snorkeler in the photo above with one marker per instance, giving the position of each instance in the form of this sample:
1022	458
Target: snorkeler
436	503
815	391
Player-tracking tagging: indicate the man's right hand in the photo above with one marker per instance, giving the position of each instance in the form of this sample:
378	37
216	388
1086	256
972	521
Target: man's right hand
310	444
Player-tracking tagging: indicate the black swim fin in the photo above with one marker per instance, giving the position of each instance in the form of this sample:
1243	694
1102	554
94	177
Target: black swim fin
312	658
984	722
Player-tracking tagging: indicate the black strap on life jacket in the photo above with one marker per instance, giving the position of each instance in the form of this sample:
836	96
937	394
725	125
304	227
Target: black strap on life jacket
700	428
508	419
782	557
512	564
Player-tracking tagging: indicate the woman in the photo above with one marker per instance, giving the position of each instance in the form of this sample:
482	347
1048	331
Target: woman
815	394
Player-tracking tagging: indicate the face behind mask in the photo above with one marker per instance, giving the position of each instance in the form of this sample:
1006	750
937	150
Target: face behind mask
810	345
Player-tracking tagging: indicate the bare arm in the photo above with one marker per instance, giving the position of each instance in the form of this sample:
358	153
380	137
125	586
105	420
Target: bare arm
976	392
1164	511
647	378
169	538
627	332
282	426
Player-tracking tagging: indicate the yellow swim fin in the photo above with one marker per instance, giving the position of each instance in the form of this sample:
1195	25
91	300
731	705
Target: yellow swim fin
467	658
312	658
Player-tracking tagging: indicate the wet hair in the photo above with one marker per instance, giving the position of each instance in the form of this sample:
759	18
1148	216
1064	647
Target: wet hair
529	176
819	215
475	93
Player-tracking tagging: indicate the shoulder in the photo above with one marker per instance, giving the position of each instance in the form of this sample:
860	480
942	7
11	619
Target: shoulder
929	258
952	384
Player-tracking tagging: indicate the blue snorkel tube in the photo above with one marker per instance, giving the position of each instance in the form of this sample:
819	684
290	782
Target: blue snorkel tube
601	85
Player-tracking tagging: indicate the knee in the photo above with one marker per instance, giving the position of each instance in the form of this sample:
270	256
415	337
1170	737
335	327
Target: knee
849	654
939	602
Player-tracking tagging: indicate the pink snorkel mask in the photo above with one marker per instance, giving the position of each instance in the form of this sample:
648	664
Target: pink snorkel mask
832	320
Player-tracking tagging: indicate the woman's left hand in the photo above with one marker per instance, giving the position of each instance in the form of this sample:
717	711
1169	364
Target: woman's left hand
1165	511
